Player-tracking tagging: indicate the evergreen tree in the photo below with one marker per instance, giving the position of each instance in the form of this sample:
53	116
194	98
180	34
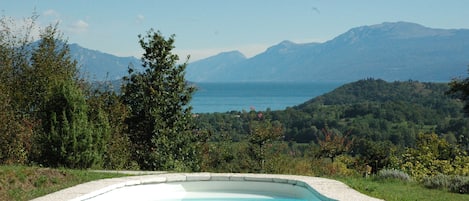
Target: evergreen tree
56	98
67	138
160	123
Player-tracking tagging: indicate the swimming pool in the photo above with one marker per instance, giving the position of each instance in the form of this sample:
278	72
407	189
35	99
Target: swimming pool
214	188
147	188
211	190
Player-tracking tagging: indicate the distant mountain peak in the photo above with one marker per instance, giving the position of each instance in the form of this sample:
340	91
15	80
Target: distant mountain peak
283	47
396	30
233	54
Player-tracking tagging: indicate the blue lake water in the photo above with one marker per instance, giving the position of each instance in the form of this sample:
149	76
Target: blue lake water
223	97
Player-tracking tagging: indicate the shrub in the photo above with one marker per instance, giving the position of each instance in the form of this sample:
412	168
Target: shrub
439	181
394	174
455	184
459	184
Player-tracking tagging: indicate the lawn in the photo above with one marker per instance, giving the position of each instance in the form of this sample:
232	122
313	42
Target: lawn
25	183
390	190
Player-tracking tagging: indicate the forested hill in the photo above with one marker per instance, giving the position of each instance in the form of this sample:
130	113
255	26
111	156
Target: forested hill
377	90
379	111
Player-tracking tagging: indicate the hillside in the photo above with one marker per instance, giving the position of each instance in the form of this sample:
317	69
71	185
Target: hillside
379	110
389	51
373	109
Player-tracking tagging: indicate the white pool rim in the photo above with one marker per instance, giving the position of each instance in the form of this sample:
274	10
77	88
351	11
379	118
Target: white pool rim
325	189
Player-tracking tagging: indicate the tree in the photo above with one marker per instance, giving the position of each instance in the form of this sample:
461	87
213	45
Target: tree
16	128
432	156
160	123
263	131
459	88
67	137
333	144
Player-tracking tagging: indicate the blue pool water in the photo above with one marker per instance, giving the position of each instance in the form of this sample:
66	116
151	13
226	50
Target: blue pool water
243	199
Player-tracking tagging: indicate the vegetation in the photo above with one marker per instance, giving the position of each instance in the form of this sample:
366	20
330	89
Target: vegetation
26	183
160	122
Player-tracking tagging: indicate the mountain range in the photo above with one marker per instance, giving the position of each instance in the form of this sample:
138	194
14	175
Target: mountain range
389	51
99	66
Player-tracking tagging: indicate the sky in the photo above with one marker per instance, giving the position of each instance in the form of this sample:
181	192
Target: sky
204	28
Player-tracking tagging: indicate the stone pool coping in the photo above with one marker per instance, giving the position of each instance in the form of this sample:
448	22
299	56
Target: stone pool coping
326	187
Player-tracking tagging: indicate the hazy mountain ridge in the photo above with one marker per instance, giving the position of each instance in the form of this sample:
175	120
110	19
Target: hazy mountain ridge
97	65
390	51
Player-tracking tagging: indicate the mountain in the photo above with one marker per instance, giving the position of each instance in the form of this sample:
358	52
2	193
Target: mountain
389	51
97	65
211	66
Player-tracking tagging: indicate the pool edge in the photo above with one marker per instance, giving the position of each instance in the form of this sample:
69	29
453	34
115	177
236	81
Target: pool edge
321	187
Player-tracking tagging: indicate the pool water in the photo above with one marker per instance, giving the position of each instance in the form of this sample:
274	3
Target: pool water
242	199
211	191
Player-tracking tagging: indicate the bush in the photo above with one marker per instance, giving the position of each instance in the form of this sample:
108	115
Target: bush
459	184
439	181
455	184
394	174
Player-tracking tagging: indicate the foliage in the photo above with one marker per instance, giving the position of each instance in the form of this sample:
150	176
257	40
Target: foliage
452	183
15	136
160	123
377	155
433	156
394	174
459	88
68	136
16	129
333	144
262	133
107	114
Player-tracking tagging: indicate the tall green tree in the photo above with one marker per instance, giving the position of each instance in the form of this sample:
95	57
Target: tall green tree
67	137
459	88
160	123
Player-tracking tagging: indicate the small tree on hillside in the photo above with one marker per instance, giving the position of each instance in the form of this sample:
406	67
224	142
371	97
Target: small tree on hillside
332	144
160	123
261	132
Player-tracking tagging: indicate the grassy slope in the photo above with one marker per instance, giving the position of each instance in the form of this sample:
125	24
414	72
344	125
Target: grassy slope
391	190
25	183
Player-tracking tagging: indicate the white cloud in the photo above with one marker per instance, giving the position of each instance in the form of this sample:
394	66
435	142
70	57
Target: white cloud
140	18
78	27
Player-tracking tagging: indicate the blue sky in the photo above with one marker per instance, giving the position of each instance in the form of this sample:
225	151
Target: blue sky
206	27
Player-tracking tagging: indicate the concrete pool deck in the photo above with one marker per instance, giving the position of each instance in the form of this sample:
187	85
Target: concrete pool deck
326	187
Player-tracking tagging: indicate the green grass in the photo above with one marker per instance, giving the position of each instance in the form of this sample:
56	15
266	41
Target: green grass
390	190
25	183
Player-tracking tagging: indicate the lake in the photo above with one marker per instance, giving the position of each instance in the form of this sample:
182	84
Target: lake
223	97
